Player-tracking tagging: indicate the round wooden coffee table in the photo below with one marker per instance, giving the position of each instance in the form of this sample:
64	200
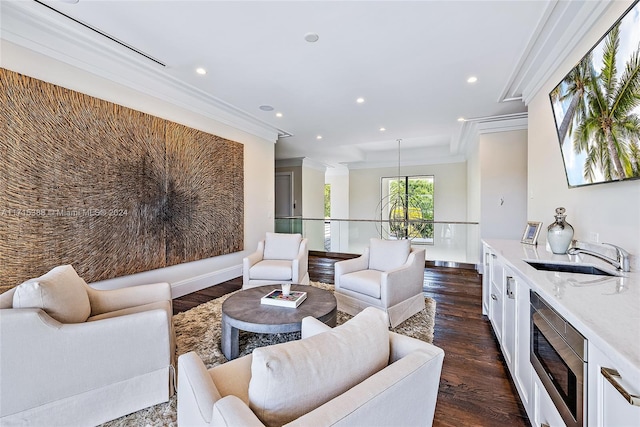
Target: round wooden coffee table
243	311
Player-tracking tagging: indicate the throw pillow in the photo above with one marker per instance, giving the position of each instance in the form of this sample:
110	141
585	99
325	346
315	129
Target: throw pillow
385	255
61	293
292	379
282	246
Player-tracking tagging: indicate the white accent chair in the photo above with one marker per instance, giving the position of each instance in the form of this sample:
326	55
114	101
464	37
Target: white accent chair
72	355
389	275
280	258
356	374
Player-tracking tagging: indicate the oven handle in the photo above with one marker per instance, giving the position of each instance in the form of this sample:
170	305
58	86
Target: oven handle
611	375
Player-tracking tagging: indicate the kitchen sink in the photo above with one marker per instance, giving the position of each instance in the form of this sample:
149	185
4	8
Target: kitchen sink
568	268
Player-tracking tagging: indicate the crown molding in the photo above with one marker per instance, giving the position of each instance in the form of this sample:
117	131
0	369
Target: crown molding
472	128
35	27
561	28
310	163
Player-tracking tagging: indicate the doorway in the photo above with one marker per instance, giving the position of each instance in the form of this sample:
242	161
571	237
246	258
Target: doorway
284	202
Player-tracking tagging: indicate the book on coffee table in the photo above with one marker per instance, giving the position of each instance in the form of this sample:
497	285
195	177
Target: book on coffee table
276	297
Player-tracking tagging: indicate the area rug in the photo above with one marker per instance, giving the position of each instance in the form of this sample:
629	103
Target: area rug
198	330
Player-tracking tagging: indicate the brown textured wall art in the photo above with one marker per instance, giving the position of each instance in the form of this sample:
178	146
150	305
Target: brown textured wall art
108	189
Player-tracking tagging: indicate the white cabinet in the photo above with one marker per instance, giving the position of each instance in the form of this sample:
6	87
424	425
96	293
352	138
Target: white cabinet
506	302
545	412
496	304
510	321
507	299
516	343
487	255
610	393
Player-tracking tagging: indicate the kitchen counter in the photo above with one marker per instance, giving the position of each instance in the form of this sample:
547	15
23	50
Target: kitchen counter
605	309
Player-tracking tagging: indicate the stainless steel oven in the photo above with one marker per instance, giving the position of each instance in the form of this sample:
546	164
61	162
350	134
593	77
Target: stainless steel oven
559	356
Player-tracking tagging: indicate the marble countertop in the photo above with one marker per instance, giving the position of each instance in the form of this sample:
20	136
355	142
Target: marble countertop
606	310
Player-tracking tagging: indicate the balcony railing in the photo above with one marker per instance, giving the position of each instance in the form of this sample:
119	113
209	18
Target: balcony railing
447	242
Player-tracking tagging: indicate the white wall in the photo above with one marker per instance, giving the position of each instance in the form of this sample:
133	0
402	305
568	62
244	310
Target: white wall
450	189
258	166
503	191
611	210
474	182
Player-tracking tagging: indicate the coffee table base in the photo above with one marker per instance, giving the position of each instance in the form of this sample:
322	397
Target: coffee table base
230	341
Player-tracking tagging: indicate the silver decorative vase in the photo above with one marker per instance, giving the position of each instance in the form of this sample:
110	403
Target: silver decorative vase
560	233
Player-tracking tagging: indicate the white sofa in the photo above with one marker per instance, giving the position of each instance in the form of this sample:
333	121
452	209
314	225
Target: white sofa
389	275
357	374
279	258
71	355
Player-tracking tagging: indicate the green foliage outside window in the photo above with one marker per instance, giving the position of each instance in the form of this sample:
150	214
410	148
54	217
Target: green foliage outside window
411	212
327	200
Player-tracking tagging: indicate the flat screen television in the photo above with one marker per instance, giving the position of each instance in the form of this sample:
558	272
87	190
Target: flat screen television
596	108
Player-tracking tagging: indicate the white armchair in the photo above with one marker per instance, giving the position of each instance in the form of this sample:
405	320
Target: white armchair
280	258
357	374
73	355
389	275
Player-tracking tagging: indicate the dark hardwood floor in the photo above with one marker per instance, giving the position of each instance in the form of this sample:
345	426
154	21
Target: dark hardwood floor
475	388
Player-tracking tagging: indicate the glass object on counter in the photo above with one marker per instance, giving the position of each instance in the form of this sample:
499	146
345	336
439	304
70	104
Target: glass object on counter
560	233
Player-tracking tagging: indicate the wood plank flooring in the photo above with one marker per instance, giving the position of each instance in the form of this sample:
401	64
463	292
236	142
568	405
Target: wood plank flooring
475	388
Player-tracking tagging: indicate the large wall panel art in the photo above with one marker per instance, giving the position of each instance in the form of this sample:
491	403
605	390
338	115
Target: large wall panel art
108	189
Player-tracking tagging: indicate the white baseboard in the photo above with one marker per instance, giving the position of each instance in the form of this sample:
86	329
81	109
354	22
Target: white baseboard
203	281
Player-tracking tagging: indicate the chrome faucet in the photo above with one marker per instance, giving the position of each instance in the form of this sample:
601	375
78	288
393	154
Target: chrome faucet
622	257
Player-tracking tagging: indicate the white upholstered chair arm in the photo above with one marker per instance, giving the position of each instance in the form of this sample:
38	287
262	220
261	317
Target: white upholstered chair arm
401	345
350	265
104	301
196	390
256	256
231	411
300	264
251	260
200	402
48	358
6	298
312	326
405	281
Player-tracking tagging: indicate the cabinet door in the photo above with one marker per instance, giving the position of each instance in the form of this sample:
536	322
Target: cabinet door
619	403
545	412
522	370
510	322
614	396
496	307
486	280
515	340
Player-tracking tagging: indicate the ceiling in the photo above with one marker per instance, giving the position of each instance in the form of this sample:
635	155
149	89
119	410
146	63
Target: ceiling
409	61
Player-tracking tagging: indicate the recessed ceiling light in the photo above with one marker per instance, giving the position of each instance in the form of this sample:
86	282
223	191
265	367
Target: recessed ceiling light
201	71
311	37
319	137
461	119
278	114
360	100
472	79
266	107
383	129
